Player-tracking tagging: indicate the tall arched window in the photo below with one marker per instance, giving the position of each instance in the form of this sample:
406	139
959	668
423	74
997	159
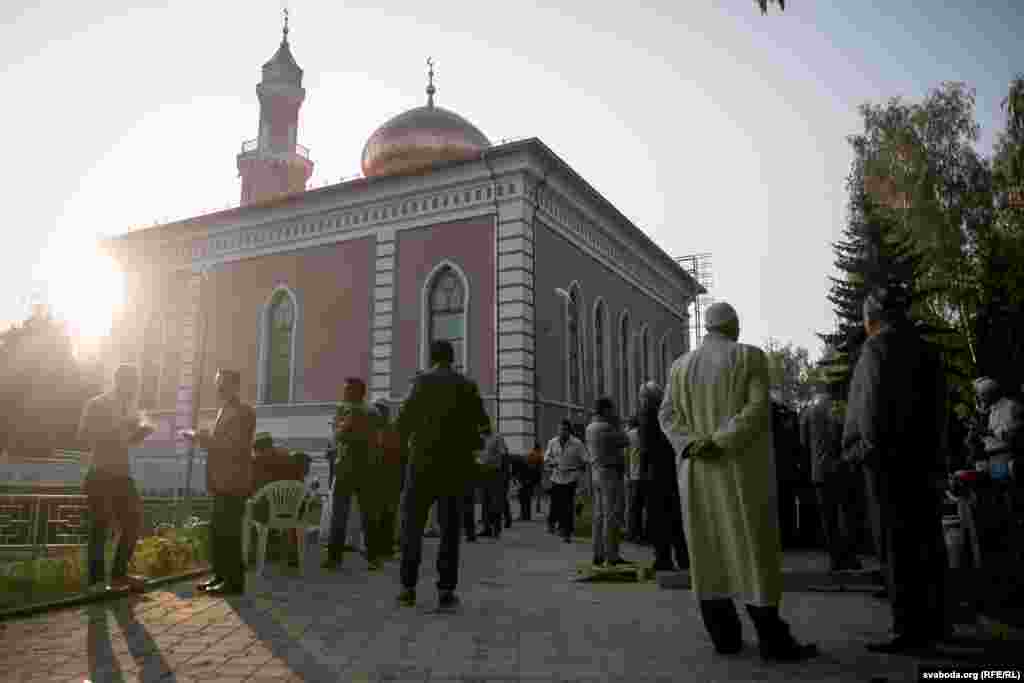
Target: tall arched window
624	379
666	361
599	324
645	355
575	395
279	350
447	301
170	374
152	347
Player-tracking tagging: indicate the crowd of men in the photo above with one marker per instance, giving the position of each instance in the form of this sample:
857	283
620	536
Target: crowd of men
692	474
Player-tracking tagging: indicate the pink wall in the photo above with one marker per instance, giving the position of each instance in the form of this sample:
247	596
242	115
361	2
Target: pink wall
470	245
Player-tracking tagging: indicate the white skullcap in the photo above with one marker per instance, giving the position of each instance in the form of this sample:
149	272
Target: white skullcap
719	314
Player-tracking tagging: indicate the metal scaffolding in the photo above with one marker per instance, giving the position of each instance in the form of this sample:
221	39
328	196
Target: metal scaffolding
699	266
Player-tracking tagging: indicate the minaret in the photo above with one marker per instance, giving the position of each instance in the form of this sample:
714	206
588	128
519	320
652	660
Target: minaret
274	164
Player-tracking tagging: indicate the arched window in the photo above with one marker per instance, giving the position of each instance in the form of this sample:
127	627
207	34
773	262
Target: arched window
666	361
170	374
599	324
645	355
152	347
281	319
447	314
575	394
624	378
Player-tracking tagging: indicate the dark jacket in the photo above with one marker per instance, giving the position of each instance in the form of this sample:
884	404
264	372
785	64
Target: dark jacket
896	412
657	457
229	451
441	421
606	443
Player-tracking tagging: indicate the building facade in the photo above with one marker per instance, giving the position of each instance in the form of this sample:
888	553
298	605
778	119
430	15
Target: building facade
549	294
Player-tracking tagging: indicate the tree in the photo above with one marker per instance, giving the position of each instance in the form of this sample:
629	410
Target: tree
792	374
763	4
42	389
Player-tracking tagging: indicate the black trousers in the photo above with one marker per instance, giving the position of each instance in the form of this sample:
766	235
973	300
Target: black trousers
665	522
915	552
226	540
836	501
469	513
637	503
525	502
563	514
416	503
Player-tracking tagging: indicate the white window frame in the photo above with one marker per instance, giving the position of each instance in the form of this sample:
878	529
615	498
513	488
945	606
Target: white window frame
606	333
425	289
263	380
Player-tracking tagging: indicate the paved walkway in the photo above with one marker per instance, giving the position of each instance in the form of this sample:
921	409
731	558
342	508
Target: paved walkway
521	619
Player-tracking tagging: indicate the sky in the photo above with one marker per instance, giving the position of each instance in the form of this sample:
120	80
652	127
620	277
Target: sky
713	128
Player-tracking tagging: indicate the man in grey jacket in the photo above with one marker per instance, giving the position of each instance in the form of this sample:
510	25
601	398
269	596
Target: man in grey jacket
606	443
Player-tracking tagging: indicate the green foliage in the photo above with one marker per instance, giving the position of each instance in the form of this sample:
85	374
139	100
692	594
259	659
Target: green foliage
42	388
792	374
170	551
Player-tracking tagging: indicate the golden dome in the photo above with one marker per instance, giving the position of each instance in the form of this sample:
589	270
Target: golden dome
419	138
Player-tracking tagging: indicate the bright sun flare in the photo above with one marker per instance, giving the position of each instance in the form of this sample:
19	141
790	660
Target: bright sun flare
86	288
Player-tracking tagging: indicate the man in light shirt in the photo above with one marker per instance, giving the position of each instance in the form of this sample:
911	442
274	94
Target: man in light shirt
565	460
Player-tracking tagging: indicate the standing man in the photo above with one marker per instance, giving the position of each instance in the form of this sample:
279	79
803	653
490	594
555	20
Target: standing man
894	424
606	446
717	415
110	427
388	481
356	431
229	478
835	482
633	514
658	469
565	460
443	416
492	477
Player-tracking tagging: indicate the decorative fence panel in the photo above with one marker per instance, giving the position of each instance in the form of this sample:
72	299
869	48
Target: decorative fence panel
40	523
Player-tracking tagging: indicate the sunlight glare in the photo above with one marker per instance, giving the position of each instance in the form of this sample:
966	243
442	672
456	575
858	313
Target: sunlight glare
86	288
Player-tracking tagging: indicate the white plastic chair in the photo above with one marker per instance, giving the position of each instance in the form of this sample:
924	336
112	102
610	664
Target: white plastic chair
285	499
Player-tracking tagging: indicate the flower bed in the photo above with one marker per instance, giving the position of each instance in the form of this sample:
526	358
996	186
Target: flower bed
168	551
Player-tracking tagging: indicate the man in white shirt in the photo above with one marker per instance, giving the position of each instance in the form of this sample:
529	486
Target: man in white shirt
565	459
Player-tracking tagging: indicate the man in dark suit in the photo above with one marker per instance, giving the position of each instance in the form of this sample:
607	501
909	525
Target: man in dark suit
229	478
894	423
443	417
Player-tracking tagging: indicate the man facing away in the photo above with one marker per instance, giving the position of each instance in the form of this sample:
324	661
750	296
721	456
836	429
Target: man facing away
716	414
606	445
659	475
356	431
441	420
565	461
834	481
894	425
110	427
229	479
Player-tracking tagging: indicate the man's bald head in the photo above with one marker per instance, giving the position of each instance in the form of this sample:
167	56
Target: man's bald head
721	317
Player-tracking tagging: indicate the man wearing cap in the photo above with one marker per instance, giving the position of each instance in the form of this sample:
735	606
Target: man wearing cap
229	479
717	415
110	427
894	429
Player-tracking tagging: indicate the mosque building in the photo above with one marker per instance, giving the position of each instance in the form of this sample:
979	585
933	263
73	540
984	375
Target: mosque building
548	293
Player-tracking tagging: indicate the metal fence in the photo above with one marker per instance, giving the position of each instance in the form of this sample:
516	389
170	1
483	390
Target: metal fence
43	523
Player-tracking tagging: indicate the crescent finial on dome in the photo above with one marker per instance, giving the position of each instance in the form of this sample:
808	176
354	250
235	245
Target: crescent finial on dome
430	82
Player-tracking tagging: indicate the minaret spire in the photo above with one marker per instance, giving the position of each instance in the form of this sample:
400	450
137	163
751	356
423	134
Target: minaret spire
284	39
430	82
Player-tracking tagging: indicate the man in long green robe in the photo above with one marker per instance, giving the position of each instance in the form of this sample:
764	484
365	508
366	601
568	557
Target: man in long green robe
717	415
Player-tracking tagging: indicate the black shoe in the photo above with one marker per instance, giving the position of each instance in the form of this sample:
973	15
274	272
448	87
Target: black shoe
663	567
331	564
551	530
508	524
447	599
901	644
470	539
881	595
224	588
486	534
775	640
407	598
598	561
619	562
209	583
